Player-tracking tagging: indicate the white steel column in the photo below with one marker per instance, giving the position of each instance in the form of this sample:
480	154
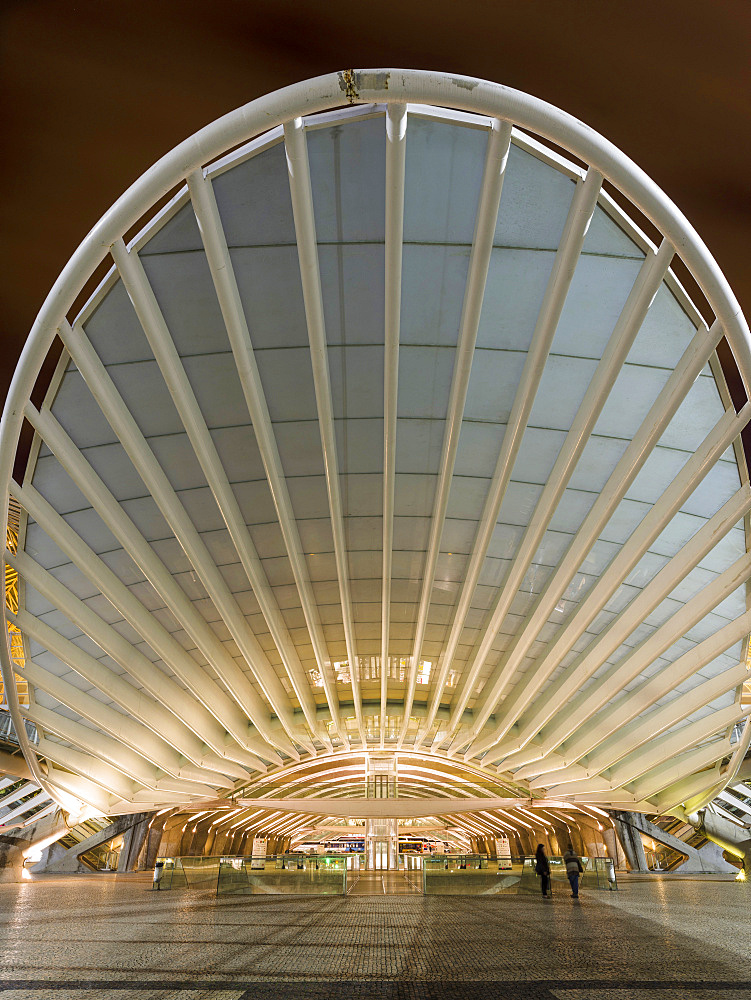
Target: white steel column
675	769
631	462
499	140
698	465
155	479
597	695
109	778
115	518
649	598
146	740
170	365
225	284
111	751
634	727
298	168
641	760
396	147
132	660
626	328
580	213
152	714
225	710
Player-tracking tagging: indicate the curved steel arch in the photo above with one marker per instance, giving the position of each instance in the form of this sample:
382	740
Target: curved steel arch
390	87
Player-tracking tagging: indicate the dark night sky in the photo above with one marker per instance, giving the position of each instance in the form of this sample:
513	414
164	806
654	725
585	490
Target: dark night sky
95	91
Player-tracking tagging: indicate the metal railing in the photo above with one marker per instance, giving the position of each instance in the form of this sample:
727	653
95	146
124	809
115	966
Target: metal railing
8	732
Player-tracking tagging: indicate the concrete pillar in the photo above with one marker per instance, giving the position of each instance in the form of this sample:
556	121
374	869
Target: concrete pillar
559	838
70	862
614	849
13	847
208	847
578	840
592	842
631	841
695	860
172	836
733	839
132	843
152	842
529	844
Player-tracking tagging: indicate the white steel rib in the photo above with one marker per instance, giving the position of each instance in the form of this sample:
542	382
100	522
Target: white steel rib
579	217
302	207
217	255
619	344
396	148
388	435
496	159
653	523
166	356
640	447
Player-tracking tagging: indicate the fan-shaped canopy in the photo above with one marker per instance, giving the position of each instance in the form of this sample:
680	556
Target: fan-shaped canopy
390	432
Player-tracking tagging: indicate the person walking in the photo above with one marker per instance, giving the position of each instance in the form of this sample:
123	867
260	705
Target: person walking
542	867
573	870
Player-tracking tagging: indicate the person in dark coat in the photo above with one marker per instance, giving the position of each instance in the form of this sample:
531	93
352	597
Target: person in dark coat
542	868
573	869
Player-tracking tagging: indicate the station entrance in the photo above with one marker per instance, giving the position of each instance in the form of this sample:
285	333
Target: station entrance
381	835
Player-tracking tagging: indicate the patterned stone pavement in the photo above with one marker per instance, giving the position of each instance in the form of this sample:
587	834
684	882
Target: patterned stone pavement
89	938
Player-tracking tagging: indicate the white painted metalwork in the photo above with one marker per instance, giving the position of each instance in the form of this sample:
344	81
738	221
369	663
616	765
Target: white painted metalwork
490	196
580	215
396	133
170	366
217	255
390	433
664	409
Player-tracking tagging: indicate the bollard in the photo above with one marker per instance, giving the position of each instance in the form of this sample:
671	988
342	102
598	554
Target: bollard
610	872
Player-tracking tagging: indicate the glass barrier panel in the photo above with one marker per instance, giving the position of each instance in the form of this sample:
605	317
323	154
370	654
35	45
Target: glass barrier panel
410	862
471	874
604	871
200	872
173	876
599	873
298	875
326	874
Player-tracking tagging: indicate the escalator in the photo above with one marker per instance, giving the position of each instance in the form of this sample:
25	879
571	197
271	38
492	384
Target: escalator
99	858
663	858
732	804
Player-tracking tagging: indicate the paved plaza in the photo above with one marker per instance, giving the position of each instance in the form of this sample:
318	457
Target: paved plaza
86	938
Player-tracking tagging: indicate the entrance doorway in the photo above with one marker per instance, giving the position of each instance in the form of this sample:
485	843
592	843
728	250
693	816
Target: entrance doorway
381	845
381	835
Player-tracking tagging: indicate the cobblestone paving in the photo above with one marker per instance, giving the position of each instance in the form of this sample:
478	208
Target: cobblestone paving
86	938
